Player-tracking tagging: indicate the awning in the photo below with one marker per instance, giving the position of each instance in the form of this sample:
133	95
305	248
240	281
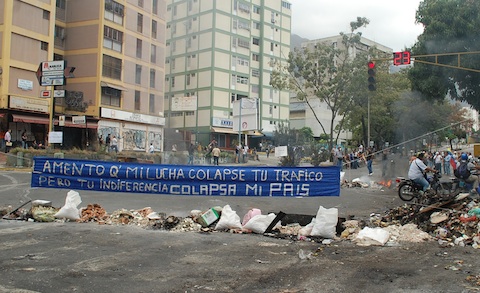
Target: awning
30	119
46	121
224	130
113	86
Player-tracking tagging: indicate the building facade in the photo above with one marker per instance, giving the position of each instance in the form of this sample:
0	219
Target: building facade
114	58
218	53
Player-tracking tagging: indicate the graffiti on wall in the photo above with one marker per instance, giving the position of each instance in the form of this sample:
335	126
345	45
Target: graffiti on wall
108	130
156	139
134	139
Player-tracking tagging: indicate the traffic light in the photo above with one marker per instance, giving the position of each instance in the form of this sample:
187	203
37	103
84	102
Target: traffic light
371	76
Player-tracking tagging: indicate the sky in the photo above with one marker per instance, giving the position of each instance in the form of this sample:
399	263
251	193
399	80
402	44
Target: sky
392	23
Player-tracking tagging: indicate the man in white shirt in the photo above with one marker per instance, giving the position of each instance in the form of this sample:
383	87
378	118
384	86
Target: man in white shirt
417	171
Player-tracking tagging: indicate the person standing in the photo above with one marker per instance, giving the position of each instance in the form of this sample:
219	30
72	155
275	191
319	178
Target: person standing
245	153
369	159
446	164
438	159
151	149
24	139
108	142
8	140
216	155
339	157
114	143
191	153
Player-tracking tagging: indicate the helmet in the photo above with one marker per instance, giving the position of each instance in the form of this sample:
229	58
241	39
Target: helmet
464	156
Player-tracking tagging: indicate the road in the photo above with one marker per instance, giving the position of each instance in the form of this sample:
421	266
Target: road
75	257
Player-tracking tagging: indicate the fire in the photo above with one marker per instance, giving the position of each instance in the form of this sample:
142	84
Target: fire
386	183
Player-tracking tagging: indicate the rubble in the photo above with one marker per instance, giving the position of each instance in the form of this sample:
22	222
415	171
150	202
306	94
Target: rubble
455	222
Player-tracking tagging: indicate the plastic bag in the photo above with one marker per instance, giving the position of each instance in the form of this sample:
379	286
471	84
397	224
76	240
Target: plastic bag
70	210
228	220
325	223
259	223
307	230
372	236
251	213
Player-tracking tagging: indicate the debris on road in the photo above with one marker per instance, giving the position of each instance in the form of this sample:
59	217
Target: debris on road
454	222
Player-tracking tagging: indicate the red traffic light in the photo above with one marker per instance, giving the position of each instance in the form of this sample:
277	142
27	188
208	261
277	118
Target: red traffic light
371	65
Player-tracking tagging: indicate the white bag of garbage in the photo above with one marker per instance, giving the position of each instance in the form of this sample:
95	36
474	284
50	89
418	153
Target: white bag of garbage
259	223
325	223
372	236
70	210
228	220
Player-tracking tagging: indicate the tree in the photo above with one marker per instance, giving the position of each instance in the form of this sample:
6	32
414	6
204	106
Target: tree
324	74
449	27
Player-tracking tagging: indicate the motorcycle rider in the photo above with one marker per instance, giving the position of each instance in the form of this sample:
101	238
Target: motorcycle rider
417	172
473	168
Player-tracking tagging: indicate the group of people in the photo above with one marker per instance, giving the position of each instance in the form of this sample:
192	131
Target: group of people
354	158
426	162
110	144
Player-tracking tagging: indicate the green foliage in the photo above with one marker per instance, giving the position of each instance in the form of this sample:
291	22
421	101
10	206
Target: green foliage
449	27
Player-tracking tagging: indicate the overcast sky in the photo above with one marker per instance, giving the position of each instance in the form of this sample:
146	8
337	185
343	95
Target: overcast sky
392	23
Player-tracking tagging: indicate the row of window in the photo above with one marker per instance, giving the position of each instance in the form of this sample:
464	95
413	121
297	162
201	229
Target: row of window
112	68
112	97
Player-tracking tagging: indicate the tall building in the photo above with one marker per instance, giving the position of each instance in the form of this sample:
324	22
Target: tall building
114	53
218	53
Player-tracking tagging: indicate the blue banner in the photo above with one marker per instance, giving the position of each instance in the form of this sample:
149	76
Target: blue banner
185	179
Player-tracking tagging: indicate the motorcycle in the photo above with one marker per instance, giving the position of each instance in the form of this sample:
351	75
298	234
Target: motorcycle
409	190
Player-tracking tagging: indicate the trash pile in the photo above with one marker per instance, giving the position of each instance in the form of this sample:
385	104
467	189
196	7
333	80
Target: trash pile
453	222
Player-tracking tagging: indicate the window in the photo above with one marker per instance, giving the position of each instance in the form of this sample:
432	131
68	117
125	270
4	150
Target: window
242	61
59	33
155	7
111	97
112	67
172	63
271	46
152	78
140	3
112	39
44	46
244	43
242	79
256	25
139	48
256	9
140	23
138	74
175	10
187	79
114	11
286	5
46	14
255	72
137	100
189	61
151	103
173	81
270	109
256	41
60	4
154	29
153	54
255	57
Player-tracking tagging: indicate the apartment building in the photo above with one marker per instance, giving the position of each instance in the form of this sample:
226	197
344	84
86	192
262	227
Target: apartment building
218	53
302	116
113	53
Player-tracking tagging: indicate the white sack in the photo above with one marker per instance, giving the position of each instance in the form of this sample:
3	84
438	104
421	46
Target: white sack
325	223
228	220
259	223
372	236
70	210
